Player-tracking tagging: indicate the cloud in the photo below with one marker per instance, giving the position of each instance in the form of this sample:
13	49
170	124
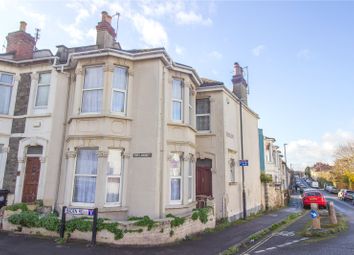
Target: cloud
188	18
304	54
179	50
215	54
152	32
256	51
306	152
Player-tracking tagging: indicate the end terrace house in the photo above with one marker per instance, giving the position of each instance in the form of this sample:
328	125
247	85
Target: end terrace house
32	106
130	146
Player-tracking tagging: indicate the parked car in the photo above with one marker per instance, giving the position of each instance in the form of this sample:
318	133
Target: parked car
313	197
314	184
341	194
328	188
334	190
349	195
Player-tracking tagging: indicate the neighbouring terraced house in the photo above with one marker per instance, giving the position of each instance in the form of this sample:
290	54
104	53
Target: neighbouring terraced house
130	132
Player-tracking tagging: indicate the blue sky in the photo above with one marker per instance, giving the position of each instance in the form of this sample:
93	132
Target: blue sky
300	55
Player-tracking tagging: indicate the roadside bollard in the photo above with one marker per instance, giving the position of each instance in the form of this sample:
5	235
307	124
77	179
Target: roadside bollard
332	213
316	222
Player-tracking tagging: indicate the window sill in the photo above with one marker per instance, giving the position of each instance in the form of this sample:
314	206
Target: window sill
181	206
177	124
97	116
205	133
117	208
233	183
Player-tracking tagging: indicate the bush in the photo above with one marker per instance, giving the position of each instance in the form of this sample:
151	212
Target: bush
16	207
177	221
27	219
50	222
201	214
143	222
266	178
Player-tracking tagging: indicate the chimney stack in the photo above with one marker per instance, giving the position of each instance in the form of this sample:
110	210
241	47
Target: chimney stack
20	43
240	86
105	32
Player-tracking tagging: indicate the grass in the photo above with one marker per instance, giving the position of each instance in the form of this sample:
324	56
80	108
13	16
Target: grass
230	251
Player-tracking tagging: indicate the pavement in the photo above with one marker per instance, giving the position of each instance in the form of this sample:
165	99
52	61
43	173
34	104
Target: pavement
206	243
289	242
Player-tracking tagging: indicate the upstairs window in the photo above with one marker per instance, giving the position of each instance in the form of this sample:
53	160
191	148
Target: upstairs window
92	92
203	114
6	84
43	90
177	100
119	89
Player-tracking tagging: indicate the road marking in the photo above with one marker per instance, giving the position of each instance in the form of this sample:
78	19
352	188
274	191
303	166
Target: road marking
259	251
271	248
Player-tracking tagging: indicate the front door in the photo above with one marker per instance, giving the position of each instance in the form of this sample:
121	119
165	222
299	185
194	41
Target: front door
204	183
30	185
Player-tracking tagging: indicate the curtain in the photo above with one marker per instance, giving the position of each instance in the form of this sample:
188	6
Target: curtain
92	100
93	78
42	95
120	78
85	176
203	106
113	187
118	101
203	122
5	97
175	189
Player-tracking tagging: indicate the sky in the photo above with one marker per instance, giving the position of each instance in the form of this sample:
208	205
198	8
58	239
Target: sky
299	54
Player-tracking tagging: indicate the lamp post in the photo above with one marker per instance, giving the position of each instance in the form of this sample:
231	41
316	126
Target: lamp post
286	167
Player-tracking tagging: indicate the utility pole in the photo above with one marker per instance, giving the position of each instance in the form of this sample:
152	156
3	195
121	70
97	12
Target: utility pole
242	166
286	167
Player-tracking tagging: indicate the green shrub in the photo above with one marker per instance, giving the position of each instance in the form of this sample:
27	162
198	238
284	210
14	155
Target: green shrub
82	224
111	227
266	178
201	214
16	207
143	222
177	221
27	219
50	222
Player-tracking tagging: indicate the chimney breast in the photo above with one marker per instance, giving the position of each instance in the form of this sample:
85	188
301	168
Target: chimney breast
105	32
20	43
239	84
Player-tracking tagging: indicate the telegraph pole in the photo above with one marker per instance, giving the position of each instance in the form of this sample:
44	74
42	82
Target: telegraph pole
242	165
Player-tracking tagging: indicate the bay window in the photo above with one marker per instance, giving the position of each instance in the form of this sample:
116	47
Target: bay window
114	177
203	114
190	107
6	84
119	89
177	100
175	179
190	178
85	176
43	90
92	91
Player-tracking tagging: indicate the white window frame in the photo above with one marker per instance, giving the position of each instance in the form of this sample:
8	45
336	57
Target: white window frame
8	85
190	178
202	115
91	89
178	101
37	89
86	175
120	177
120	90
190	107
180	177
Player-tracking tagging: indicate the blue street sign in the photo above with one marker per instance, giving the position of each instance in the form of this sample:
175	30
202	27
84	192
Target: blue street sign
244	162
313	214
79	211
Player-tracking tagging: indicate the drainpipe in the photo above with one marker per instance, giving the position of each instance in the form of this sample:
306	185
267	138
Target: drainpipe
242	167
62	142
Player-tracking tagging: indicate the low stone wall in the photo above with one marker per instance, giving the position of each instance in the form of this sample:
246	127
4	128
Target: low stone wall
272	196
162	233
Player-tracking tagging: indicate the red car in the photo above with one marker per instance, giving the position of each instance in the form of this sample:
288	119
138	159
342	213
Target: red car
313	197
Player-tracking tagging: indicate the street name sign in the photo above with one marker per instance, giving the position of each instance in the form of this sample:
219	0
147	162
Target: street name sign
79	211
142	155
244	162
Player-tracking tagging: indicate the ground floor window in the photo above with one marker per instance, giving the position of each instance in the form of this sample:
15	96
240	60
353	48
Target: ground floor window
176	178
85	176
190	177
114	177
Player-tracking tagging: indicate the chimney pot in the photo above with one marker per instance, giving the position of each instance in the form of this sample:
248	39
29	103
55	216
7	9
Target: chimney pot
23	26
106	17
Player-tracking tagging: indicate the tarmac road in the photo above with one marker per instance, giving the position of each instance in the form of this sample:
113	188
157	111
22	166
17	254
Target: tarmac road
289	243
